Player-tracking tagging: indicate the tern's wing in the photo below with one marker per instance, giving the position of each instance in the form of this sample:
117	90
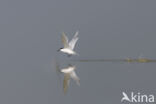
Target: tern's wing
74	40
64	40
75	77
66	82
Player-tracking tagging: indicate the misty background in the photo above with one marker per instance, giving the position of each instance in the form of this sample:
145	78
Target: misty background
30	32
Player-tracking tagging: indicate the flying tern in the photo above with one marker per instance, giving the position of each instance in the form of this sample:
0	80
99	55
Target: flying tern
69	46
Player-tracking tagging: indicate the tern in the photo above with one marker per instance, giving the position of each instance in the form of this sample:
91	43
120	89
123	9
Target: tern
69	72
69	46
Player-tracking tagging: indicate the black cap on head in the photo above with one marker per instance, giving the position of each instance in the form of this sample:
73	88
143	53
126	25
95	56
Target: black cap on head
59	49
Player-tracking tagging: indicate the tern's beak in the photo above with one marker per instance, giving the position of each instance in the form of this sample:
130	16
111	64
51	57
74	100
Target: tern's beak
58	50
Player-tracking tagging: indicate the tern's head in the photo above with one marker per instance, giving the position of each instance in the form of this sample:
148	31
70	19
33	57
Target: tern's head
59	49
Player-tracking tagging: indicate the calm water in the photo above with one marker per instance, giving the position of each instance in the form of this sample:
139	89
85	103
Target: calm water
105	81
110	32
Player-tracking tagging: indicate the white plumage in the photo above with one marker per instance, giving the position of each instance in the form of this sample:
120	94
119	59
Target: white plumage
69	46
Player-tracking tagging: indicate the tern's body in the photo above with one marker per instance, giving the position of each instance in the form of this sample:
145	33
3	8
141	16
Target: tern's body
68	51
69	46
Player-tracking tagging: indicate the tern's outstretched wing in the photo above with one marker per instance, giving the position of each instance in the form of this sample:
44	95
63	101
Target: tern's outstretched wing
75	77
66	82
64	40
74	40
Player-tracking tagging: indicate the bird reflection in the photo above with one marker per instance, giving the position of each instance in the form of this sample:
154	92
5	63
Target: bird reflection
69	73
